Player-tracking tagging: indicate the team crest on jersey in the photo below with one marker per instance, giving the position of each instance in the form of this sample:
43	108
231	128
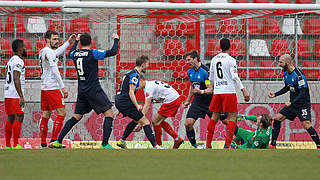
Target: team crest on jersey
135	80
19	66
102	51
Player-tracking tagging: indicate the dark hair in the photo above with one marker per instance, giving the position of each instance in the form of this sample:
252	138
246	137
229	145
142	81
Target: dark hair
16	44
266	120
193	54
141	60
49	33
224	44
85	39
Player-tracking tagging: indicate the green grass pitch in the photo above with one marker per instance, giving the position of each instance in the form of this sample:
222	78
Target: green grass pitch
92	164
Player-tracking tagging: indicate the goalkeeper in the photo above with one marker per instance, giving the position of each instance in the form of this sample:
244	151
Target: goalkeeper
255	139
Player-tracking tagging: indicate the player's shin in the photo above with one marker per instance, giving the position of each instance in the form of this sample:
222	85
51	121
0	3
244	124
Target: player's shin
192	137
128	130
149	133
275	132
230	131
16	132
158	134
107	129
167	127
314	135
8	133
210	131
44	129
57	126
66	128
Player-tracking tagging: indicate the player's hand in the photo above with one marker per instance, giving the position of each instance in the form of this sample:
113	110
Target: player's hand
288	104
271	95
115	36
139	107
65	93
246	96
72	38
196	90
21	102
186	104
137	128
78	37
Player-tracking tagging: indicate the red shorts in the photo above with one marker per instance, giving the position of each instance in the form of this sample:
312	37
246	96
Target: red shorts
170	109
224	103
12	106
51	100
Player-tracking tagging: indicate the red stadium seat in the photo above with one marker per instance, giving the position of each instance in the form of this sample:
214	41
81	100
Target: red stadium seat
303	48
253	26
1	26
56	24
239	11
79	25
311	74
268	73
102	72
19	25
157	10
28	45
238	47
243	72
261	1
213	47
5	47
40	43
164	28
186	28
228	27
71	71
3	70
210	26
180	69
173	47
270	26
316	48
191	44
282	1
311	26
279	47
32	72
303	2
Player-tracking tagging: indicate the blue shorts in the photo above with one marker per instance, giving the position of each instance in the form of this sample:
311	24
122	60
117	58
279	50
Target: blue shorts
196	111
127	108
96	100
291	112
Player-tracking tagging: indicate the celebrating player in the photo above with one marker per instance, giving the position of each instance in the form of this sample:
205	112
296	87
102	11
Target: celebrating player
51	83
159	91
299	105
127	104
13	94
255	139
198	75
90	94
224	76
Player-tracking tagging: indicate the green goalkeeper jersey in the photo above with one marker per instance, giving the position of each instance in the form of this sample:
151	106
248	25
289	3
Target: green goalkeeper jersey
257	139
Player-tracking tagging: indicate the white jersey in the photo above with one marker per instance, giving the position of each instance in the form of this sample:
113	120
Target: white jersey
50	77
224	74
160	91
14	64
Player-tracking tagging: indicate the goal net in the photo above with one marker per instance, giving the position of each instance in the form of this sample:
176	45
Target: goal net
258	37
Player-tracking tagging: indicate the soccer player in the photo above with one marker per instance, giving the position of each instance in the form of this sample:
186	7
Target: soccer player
255	139
299	104
224	77
13	94
127	104
90	94
158	91
198	75
51	83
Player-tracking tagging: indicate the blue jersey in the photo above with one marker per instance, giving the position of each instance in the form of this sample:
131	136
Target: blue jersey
197	79
296	83
131	77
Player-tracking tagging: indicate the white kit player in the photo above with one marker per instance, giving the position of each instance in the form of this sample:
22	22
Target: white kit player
160	92
13	94
224	77
51	83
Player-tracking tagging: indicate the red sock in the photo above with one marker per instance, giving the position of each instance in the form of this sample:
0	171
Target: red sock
230	131
16	132
210	132
44	129
166	126
57	126
8	133
158	134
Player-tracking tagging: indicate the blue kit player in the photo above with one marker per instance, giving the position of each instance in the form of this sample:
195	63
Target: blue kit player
299	105
90	94
127	104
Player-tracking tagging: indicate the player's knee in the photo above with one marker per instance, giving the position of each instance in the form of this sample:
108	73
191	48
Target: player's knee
46	114
189	126
62	111
78	116
307	124
144	121
108	113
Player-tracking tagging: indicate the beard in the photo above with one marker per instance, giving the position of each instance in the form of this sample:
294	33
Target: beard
285	68
24	53
54	46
